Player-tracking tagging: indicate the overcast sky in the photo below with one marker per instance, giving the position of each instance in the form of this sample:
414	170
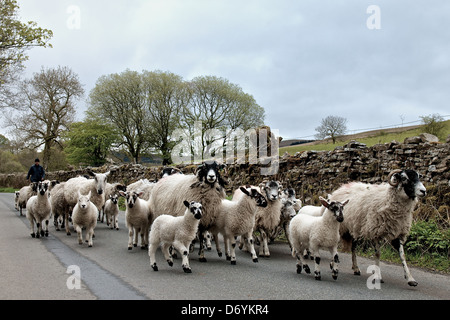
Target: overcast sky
301	60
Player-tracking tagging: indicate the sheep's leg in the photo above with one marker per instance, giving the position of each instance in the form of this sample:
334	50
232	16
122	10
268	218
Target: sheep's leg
38	229
334	262
116	222
249	241
377	259
152	254
31	219
66	221
137	231
80	236
165	248
201	251
56	222
232	241
130	237
46	227
89	235
301	263
218	249
355	267
263	246
184	251
226	243
398	245
144	239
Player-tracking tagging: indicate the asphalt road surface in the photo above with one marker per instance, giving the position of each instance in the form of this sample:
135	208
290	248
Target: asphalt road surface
45	268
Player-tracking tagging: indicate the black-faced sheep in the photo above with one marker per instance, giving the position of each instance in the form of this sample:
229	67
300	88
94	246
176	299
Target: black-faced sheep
380	213
173	231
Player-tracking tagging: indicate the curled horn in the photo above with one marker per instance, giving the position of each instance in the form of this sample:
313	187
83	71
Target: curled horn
393	172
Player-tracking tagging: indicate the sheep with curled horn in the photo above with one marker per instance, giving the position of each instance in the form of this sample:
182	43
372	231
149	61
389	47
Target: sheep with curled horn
380	213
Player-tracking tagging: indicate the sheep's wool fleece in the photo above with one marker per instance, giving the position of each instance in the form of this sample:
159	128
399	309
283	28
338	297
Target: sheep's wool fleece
375	212
169	193
84	185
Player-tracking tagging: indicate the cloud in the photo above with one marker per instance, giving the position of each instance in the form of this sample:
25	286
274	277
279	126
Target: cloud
301	60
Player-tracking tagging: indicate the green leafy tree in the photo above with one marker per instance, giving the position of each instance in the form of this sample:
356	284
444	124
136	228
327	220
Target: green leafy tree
89	142
16	38
433	124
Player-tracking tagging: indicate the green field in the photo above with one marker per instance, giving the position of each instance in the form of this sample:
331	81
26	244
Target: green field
380	137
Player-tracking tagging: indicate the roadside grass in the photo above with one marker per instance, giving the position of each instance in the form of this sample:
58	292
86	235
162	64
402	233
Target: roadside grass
381	137
7	190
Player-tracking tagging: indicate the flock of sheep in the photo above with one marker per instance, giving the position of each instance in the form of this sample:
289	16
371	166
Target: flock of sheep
180	208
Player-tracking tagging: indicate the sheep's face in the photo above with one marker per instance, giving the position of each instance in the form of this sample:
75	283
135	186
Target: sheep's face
336	207
100	180
42	188
272	190
409	180
170	171
114	198
287	210
209	172
195	208
83	200
131	197
254	194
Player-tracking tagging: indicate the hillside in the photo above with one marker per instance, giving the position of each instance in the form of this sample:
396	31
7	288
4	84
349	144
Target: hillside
369	138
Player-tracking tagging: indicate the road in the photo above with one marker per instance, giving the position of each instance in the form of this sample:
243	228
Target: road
109	271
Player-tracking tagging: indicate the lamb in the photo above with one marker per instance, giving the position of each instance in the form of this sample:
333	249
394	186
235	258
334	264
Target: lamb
173	231
96	186
317	233
205	187
85	216
110	189
237	218
25	193
16	200
289	194
39	209
138	218
288	211
111	210
380	213
267	218
143	185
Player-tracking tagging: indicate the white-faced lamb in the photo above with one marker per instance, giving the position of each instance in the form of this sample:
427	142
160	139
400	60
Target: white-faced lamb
84	215
39	210
96	186
111	210
110	190
138	218
178	232
380	213
317	233
205	187
237	218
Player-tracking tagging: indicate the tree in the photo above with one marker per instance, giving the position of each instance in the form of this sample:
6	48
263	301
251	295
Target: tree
89	142
15	39
331	126
433	124
166	95
220	107
119	99
47	108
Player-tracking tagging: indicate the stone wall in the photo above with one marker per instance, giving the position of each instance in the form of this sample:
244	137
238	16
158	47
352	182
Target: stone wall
314	173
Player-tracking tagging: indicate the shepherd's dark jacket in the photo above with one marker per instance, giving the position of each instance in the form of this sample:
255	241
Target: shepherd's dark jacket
36	173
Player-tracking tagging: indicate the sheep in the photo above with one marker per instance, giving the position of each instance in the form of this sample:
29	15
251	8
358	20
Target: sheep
237	218
137	218
111	210
84	216
168	171
25	193
317	233
205	187
39	209
315	211
173	231
58	203
288	211
16	200
289	194
379	213
267	218
143	185
96	186
110	189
